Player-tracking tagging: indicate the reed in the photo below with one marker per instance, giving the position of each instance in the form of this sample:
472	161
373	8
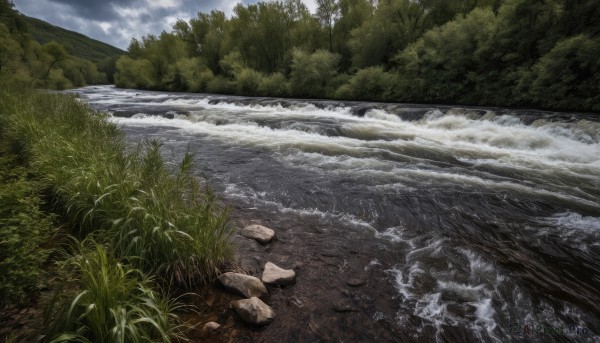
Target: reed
105	300
155	214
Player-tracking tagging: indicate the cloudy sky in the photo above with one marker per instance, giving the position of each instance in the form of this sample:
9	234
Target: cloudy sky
117	21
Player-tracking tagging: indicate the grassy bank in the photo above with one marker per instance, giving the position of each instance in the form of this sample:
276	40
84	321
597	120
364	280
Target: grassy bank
150	222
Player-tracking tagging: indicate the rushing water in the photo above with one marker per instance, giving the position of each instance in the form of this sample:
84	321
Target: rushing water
485	221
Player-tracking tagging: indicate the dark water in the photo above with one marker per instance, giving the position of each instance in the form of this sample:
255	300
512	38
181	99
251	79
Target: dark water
471	224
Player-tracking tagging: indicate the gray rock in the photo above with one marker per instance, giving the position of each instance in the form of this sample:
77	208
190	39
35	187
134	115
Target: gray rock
345	306
245	285
260	233
210	328
253	311
356	282
278	276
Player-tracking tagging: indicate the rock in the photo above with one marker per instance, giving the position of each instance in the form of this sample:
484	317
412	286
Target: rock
253	311
210	328
345	306
295	303
260	233
356	282
278	276
246	285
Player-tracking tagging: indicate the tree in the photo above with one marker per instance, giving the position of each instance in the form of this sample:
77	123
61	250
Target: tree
568	77
11	18
445	63
311	73
56	53
327	12
353	14
394	25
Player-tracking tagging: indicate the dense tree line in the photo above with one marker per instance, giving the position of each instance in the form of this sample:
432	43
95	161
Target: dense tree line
24	60
487	52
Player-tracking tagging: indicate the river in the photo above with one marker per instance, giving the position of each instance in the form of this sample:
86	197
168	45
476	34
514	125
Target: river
407	222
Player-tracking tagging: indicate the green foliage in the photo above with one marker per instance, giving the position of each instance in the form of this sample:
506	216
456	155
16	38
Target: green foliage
221	85
368	84
273	85
11	18
24	229
137	73
568	77
77	44
486	52
311	73
25	61
194	75
247	81
105	300
163	219
261	31
438	65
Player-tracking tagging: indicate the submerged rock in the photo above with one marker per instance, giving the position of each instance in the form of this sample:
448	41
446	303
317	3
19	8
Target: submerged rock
279	276
253	311
261	234
356	282
246	285
345	305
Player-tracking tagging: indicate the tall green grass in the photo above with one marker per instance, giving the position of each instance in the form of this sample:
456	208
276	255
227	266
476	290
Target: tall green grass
103	300
158	216
24	229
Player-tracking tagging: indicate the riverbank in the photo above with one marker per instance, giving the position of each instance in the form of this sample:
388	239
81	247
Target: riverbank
123	225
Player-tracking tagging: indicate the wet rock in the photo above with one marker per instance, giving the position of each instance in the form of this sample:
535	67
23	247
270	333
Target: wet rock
261	234
246	285
345	306
330	253
210	328
279	276
253	311
356	282
295	303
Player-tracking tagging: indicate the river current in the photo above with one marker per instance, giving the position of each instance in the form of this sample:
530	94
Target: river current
482	224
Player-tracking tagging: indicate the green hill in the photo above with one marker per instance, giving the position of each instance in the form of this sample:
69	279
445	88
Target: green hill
76	43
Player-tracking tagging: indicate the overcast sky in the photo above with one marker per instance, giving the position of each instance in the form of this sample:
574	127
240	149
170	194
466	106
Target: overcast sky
117	21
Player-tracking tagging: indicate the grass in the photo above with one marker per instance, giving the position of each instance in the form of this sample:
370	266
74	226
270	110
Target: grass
104	300
145	223
160	215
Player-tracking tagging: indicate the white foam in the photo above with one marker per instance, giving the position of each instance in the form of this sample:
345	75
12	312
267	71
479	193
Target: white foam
576	221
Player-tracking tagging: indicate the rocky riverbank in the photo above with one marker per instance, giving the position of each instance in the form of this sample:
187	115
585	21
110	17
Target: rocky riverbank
338	292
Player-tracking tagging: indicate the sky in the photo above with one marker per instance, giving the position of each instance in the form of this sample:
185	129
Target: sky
116	22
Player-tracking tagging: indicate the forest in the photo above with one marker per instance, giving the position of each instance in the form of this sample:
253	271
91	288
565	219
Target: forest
45	64
539	53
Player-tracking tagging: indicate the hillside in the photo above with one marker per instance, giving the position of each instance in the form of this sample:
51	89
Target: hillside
76	43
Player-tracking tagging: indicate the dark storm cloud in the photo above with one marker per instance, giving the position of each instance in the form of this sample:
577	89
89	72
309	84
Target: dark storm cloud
118	21
95	9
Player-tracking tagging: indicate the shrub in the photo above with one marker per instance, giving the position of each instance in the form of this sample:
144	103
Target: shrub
311	73
221	85
247	81
135	73
568	76
273	85
24	228
371	83
194	74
